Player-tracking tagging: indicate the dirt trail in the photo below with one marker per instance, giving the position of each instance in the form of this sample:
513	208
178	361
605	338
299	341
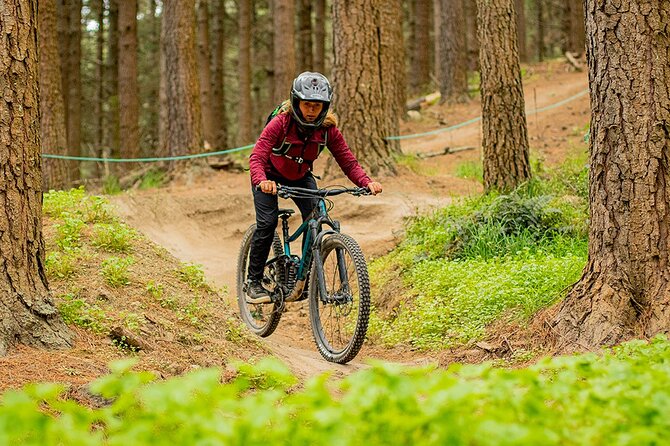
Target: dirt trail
203	221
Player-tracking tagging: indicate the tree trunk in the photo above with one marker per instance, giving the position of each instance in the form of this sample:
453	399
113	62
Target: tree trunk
575	35
368	76
540	29
99	139
520	8
420	62
284	50
624	290
304	57
505	138
320	36
113	86
151	112
244	111
218	69
453	73
204	72
52	122
73	61
471	34
437	47
162	95
129	104
183	134
28	315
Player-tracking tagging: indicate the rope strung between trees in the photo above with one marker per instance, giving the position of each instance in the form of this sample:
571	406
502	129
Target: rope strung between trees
239	149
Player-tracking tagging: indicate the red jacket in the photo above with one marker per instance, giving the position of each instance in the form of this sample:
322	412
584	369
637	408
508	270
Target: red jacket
263	161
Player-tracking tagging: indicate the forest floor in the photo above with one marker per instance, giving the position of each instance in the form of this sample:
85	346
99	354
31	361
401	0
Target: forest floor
201	216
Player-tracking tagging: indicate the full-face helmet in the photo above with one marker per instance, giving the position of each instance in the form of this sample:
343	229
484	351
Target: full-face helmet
313	87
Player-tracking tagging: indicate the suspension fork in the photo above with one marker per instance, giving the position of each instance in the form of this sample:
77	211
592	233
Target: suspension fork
342	270
318	260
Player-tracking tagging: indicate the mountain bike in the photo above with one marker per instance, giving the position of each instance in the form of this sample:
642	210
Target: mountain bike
330	272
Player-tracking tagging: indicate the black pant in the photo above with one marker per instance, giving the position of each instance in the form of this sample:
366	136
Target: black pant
267	217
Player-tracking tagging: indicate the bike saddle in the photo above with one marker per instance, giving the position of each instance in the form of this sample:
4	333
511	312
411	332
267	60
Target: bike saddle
286	212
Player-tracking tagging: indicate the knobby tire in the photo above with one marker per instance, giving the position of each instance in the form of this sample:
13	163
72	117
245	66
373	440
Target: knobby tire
327	319
262	319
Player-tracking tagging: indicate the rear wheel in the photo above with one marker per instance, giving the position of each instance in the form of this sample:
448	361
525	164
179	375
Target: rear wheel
262	319
340	319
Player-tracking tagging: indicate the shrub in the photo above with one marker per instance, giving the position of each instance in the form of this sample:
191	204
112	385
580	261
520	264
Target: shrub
62	265
193	275
78	312
115	271
620	397
113	237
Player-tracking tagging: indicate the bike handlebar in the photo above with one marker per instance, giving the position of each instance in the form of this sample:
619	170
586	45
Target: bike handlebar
288	191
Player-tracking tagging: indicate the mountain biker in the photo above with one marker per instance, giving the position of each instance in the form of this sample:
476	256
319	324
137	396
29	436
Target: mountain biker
284	154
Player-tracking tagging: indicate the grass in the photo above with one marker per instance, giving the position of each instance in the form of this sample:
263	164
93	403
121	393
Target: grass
113	237
467	264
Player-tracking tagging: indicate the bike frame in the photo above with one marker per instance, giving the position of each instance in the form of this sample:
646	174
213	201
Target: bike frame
312	229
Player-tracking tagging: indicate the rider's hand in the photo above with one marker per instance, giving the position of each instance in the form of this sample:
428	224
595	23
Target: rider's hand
374	187
268	186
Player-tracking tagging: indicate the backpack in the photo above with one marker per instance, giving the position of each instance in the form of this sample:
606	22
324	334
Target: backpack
282	150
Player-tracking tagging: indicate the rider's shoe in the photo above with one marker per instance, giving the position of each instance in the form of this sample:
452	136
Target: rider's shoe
305	292
256	291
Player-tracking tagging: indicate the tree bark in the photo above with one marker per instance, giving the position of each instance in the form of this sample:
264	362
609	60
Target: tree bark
219	117
420	61
471	34
113	86
52	122
73	92
505	137
320	36
183	134
540	29
453	74
204	72
304	57
284	50
244	135
575	34
369	78
624	290
129	104
100	78
520	8
63	17
27	313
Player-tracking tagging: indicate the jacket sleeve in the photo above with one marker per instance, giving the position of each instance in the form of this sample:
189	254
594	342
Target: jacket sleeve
260	156
346	159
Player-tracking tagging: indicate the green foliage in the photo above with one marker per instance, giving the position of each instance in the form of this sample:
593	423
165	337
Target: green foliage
192	313
78	312
75	204
62	265
489	226
457	300
571	178
69	232
618	398
111	185
115	270
152	179
193	275
478	259
470	170
113	237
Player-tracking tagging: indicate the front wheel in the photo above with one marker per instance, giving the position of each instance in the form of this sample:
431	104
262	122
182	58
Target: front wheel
262	319
340	318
